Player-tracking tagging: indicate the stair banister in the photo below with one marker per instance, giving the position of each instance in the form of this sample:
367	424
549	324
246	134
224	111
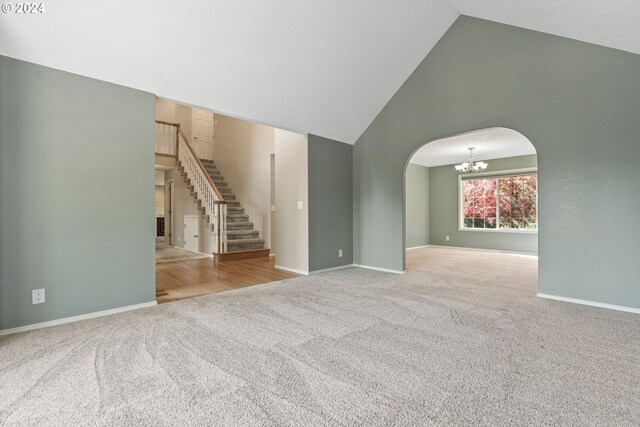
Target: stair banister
215	207
215	201
201	166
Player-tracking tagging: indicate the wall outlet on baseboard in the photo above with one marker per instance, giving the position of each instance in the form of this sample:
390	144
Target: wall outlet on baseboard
339	253
37	296
446	238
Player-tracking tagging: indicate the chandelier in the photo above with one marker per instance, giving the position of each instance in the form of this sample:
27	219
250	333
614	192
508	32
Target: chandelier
471	166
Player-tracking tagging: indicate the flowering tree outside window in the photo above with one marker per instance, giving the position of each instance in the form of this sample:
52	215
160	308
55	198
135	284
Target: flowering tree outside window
480	203
504	202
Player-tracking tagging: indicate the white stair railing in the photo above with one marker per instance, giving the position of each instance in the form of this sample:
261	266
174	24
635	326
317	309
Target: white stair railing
215	207
166	138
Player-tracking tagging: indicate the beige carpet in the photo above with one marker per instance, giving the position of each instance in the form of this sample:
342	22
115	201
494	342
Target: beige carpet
459	340
167	253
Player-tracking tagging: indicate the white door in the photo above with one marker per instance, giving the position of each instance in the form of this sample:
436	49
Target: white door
191	233
203	133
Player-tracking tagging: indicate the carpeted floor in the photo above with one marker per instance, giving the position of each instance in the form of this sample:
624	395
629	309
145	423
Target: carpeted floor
459	340
168	253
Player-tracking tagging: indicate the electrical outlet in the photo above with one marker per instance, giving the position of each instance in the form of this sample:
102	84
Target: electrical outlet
37	296
340	253
447	238
300	204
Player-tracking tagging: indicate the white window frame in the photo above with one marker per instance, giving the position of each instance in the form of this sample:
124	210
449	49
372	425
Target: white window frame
496	174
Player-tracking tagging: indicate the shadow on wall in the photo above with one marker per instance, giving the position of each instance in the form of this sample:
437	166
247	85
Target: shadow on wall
490	203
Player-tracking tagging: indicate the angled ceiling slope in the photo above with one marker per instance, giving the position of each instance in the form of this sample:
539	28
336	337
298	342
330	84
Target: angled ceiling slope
322	67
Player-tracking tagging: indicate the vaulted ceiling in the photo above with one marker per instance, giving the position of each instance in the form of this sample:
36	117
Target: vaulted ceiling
322	67
488	144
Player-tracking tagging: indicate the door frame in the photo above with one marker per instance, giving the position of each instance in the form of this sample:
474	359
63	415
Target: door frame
169	188
272	204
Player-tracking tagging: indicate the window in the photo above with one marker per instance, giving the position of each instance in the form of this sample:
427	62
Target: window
500	202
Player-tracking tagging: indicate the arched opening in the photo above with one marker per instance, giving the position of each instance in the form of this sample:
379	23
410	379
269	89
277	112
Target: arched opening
475	191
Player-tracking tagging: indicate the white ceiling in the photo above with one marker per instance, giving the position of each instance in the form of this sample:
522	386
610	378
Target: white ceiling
492	143
323	67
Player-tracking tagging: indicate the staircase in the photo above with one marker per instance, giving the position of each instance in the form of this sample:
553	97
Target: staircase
241	235
233	236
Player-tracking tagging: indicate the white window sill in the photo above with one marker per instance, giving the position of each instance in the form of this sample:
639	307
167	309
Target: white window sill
499	230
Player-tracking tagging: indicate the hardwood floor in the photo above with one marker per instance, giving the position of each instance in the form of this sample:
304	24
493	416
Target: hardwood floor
186	279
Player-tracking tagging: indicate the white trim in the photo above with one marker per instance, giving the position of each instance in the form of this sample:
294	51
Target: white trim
485	250
520	171
291	270
417	247
591	303
76	318
386	270
499	230
325	270
170	189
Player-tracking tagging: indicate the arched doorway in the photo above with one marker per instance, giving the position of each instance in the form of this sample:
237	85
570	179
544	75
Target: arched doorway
492	206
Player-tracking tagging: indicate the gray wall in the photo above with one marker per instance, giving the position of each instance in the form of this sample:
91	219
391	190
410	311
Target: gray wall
76	194
416	206
577	103
330	203
443	213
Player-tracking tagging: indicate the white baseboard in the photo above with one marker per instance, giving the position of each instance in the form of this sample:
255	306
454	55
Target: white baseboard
485	250
341	267
591	303
291	270
386	270
76	318
417	247
325	270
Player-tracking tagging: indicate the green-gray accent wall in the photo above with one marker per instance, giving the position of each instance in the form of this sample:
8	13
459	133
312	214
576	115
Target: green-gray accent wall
579	106
417	206
330	203
77	194
444	214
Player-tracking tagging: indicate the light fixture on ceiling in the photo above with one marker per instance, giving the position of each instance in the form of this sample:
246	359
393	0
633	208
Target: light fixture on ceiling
471	166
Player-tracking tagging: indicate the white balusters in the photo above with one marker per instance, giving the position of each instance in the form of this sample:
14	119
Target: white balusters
215	208
166	138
